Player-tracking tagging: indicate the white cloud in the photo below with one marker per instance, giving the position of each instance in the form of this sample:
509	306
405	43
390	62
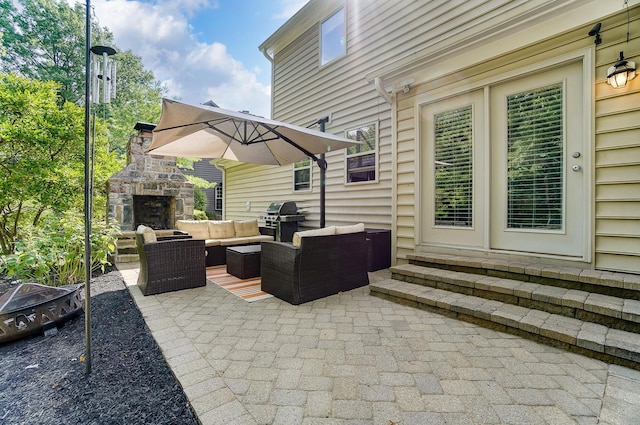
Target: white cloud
160	33
288	8
194	72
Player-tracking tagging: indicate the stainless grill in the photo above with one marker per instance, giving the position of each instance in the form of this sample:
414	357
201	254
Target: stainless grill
282	220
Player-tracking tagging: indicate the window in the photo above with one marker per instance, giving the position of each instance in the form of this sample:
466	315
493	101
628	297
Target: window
362	158
454	168
535	159
218	196
302	175
333	38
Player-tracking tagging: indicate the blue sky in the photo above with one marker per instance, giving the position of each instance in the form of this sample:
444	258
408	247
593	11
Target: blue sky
201	49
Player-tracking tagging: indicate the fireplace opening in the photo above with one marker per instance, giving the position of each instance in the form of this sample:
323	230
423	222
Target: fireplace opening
157	212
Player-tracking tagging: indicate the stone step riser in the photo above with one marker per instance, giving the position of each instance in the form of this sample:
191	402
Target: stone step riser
628	320
605	286
591	339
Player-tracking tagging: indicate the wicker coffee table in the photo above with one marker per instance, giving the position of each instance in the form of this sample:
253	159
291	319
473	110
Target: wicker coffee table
244	261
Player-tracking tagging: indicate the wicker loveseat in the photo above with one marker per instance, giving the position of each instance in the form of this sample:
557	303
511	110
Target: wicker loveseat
220	234
170	264
317	264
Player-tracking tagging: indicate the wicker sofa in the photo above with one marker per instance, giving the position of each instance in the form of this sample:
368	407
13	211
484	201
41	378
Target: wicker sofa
169	264
220	234
317	264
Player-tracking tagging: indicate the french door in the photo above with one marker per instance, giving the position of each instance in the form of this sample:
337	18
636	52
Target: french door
503	166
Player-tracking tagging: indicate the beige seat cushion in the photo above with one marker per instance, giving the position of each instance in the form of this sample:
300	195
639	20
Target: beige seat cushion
327	231
354	228
246	228
148	235
221	229
198	229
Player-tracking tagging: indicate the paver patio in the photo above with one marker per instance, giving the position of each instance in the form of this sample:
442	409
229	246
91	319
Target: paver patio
357	359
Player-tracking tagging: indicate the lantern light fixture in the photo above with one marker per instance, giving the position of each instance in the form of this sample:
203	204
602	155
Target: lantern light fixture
621	72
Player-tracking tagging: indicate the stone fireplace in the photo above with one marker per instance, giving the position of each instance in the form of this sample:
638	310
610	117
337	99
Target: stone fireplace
150	189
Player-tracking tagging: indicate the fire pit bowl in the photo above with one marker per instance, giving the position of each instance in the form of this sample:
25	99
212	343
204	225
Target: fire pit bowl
30	307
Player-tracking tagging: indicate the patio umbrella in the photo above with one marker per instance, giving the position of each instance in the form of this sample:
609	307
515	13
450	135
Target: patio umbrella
209	132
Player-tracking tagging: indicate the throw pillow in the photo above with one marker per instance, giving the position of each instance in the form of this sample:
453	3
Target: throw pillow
327	231
221	229
148	235
198	229
246	228
354	228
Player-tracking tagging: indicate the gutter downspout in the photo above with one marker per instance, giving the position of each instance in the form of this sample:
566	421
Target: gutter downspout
381	91
271	60
394	167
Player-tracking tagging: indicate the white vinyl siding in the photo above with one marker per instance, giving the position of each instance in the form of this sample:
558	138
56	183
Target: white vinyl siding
617	154
440	44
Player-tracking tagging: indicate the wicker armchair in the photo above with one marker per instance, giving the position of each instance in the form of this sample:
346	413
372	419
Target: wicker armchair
321	266
170	264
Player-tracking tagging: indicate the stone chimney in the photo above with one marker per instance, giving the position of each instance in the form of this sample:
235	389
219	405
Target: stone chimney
150	189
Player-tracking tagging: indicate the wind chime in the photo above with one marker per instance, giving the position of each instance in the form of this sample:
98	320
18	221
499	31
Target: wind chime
103	75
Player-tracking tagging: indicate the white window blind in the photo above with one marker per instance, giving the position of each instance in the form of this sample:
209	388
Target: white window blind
454	167
361	159
302	175
535	159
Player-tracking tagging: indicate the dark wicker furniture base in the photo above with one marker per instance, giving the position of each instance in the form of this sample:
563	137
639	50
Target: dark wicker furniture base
244	261
321	266
171	265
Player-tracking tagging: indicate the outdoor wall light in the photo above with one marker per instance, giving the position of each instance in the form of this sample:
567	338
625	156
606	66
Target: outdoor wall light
621	72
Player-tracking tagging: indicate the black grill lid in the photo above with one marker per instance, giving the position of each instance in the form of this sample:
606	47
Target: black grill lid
283	208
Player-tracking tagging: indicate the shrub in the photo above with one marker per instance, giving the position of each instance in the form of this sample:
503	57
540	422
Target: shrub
199	199
199	215
53	253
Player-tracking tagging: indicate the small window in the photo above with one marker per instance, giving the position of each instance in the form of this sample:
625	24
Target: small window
302	175
333	39
362	158
218	196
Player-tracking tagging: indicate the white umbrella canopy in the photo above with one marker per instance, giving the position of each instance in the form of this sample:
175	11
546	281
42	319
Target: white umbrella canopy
208	132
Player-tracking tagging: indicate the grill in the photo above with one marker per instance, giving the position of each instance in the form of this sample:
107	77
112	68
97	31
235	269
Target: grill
281	220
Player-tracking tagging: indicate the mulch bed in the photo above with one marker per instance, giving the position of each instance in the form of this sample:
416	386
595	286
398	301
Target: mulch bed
43	380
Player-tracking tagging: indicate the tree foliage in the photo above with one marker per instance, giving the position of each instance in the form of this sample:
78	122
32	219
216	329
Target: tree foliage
42	89
45	40
41	153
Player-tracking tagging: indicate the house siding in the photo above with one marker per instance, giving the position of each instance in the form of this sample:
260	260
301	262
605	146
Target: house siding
205	170
436	44
617	152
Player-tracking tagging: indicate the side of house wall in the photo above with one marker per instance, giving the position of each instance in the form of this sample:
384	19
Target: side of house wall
304	92
461	44
205	170
616	140
617	151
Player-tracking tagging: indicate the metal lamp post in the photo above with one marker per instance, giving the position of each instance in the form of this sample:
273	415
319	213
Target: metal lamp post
108	84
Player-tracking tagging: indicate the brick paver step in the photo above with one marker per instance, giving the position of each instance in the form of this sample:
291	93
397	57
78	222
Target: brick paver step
613	345
527	271
552	299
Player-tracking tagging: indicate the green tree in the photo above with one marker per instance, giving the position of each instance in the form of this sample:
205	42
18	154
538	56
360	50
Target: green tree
45	40
41	153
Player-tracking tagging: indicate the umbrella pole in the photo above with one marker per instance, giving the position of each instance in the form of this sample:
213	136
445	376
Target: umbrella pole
323	171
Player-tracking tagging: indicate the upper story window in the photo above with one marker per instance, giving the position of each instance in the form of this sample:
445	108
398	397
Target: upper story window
333	38
362	158
302	175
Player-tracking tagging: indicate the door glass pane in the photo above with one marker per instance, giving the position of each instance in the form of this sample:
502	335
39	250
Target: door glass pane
454	168
535	177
